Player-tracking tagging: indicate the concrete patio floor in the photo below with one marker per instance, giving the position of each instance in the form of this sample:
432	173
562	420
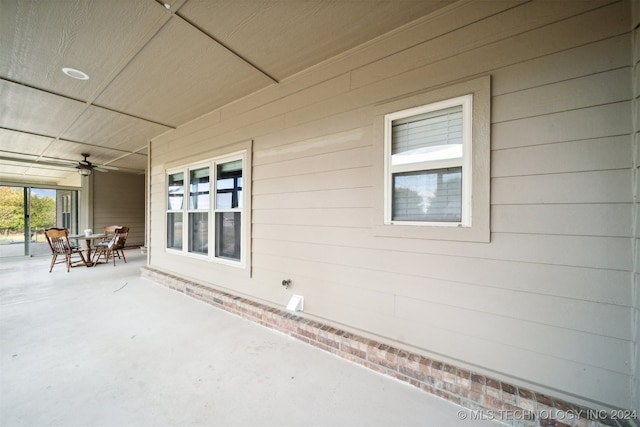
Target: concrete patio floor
105	347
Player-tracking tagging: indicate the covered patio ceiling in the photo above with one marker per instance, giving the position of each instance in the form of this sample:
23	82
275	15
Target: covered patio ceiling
153	66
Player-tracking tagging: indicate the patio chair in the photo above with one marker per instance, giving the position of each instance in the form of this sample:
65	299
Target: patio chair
110	231
58	239
113	247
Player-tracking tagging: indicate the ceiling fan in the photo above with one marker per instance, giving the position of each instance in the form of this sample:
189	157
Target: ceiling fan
85	167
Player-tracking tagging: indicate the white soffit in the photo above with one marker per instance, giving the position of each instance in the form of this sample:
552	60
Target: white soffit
283	37
29	110
113	130
181	74
39	38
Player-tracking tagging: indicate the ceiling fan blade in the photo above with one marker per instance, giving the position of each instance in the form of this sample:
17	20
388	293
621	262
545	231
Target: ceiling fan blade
100	169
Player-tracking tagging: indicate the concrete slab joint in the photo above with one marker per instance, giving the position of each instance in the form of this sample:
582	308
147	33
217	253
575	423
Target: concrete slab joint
478	393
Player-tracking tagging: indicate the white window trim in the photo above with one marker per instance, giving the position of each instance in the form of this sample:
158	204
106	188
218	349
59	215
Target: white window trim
222	156
168	210
466	163
188	211
479	188
214	210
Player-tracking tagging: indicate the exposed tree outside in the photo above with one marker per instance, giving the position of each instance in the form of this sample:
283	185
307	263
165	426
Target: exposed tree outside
43	213
11	211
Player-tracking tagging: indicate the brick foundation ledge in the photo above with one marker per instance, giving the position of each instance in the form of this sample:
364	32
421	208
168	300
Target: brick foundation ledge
482	396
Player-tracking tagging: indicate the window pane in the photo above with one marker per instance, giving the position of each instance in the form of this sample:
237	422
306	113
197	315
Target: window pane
224	200
199	189
428	196
199	232
229	185
436	135
174	230
176	191
228	235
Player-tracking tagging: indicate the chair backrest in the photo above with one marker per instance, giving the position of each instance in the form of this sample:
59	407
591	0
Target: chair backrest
58	239
110	231
120	238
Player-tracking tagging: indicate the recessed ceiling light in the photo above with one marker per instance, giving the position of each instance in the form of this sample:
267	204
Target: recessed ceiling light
76	74
167	5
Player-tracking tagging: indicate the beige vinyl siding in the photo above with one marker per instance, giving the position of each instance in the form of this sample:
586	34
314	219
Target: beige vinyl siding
119	199
548	302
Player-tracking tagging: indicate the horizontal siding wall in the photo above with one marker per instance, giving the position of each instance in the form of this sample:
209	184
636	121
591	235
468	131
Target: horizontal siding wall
547	303
118	199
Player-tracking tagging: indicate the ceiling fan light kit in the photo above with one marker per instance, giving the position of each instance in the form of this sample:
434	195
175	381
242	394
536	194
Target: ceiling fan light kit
84	171
85	167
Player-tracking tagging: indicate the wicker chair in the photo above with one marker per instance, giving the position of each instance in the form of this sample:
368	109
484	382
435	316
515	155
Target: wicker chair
58	239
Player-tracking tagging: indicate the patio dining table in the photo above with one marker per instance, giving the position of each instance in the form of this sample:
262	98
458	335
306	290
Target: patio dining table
88	238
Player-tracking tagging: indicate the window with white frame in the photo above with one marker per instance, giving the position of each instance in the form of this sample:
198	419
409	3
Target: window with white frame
435	170
198	213
428	164
228	209
213	209
175	206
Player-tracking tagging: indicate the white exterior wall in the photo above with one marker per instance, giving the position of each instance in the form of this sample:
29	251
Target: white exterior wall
548	303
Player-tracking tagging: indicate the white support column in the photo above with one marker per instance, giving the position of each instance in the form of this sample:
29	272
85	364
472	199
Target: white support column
85	208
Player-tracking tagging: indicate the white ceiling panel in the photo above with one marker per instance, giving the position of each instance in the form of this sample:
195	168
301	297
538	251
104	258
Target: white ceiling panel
21	143
39	38
47	172
29	110
113	130
180	75
11	168
284	37
26	169
130	162
72	152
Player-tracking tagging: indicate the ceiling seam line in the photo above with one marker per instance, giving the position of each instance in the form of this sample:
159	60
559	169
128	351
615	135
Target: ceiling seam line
86	103
109	80
106	83
133	116
227	48
53	138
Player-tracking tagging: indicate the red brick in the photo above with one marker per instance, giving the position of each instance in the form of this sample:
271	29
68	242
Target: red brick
436	370
329	342
354	351
411	373
449	373
307	334
463	379
493	388
425	365
477	383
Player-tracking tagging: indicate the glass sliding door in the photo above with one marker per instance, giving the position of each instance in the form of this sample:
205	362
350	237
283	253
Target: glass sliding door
42	214
25	213
12	221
